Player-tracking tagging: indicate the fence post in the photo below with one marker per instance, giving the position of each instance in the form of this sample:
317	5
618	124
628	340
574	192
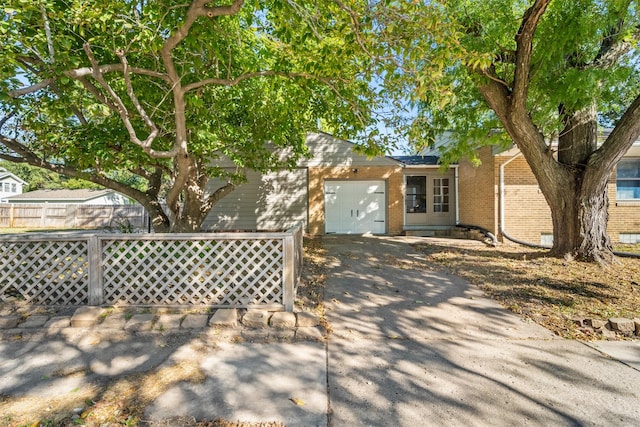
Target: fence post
288	272
43	212
95	271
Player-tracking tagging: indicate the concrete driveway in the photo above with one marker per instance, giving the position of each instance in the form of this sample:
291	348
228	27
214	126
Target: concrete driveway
414	347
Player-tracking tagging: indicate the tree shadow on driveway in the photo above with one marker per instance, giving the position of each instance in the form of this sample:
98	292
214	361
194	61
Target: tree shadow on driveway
412	346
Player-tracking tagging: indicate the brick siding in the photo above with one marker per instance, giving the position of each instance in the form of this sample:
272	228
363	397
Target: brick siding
527	215
478	192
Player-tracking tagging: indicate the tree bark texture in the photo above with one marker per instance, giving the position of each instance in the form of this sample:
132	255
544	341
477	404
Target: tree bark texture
580	215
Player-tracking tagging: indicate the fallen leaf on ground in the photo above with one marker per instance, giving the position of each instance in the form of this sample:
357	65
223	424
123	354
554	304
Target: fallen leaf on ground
297	401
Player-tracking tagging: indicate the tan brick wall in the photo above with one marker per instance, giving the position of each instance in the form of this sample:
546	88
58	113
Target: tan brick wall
478	192
392	176
527	213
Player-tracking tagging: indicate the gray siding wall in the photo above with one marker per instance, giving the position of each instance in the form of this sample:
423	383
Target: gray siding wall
328	151
275	201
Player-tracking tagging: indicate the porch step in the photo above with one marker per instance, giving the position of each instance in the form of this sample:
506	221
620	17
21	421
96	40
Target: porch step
420	233
444	232
452	232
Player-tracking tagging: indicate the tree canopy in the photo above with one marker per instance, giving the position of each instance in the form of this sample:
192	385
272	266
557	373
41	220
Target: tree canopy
170	92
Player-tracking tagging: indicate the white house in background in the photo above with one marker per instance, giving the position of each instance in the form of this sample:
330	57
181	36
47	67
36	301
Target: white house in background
80	197
10	185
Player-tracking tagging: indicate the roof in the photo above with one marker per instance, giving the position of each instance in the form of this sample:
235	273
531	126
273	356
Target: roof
417	160
4	174
62	195
330	151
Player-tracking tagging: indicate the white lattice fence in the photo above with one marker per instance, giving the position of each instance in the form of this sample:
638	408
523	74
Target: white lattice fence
45	272
177	272
226	269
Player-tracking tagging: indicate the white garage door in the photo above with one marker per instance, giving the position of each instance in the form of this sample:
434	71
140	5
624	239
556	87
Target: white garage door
355	207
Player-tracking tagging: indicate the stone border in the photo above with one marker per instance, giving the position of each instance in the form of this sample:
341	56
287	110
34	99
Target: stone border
609	329
233	325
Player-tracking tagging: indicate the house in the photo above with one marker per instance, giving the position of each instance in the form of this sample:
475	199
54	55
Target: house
80	196
503	196
340	191
10	184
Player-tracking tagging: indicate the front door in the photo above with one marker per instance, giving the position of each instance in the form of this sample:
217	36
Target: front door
429	200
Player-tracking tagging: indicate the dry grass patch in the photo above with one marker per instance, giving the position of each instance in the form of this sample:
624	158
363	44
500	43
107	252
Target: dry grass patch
549	291
310	294
121	402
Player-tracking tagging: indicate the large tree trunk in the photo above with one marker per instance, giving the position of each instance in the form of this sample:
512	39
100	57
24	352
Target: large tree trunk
574	181
159	219
191	215
580	209
580	214
196	201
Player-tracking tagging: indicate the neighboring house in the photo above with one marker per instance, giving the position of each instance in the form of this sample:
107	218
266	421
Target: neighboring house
81	196
10	185
503	196
340	191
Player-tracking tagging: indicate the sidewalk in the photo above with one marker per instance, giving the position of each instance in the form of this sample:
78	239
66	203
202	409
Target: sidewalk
409	347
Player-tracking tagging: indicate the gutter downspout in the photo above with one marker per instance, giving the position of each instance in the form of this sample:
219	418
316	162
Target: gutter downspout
502	200
457	198
502	197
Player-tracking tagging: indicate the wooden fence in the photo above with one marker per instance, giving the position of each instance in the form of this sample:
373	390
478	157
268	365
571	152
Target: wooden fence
205	269
54	215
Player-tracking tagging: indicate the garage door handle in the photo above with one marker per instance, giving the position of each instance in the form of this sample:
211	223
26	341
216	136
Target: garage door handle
352	213
358	213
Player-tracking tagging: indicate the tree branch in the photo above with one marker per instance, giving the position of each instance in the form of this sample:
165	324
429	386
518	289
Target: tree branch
197	9
47	31
621	138
79	73
28	156
214	197
134	99
182	160
613	47
524	42
121	109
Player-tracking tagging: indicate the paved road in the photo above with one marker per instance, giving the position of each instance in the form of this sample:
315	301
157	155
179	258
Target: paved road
411	347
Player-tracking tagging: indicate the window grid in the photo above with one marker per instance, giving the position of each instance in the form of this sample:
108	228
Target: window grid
441	195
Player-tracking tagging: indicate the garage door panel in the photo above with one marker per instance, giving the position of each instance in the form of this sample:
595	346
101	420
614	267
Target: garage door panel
355	207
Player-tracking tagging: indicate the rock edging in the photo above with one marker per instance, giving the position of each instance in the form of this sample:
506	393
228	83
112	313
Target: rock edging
235	325
611	328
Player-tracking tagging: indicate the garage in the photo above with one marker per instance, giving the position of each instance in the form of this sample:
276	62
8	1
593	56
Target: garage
355	207
273	201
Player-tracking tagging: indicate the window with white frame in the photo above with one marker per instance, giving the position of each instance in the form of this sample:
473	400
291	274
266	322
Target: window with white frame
7	187
441	195
630	238
628	179
546	239
14	188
